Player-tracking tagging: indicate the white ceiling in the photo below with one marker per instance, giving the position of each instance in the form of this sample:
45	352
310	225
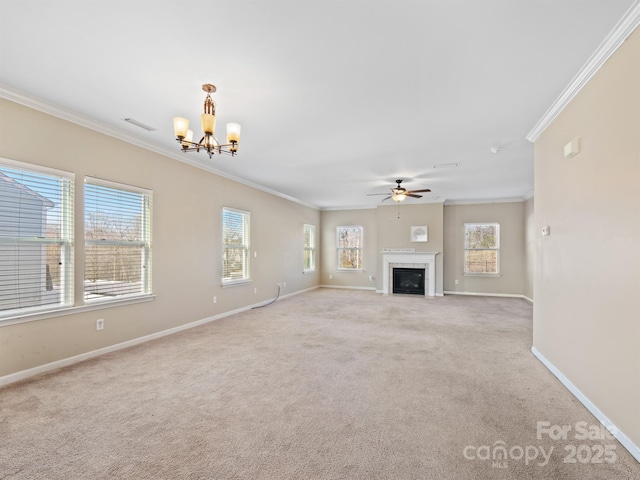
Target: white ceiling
337	99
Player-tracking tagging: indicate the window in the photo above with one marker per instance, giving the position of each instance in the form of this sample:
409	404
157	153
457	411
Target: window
309	248
36	233
482	248
117	232
349	241
235	246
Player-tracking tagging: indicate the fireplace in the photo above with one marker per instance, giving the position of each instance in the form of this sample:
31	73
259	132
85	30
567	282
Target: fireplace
426	261
408	280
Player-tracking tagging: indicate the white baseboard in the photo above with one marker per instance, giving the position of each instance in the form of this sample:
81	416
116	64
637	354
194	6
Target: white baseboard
298	292
437	294
65	362
281	297
602	418
347	287
481	294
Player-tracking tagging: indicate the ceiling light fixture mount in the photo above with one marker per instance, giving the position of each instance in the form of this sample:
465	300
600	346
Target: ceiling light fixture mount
208	143
446	165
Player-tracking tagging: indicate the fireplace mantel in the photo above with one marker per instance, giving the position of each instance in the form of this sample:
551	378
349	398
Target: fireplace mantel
426	260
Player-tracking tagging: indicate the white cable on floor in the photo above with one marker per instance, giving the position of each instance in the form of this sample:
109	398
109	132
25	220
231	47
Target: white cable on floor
272	301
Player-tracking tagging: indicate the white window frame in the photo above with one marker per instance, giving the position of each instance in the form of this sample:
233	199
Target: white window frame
144	243
244	246
496	249
64	240
358	249
310	248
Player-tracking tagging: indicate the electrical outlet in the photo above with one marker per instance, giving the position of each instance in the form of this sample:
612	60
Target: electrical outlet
215	299
255	290
279	284
100	324
456	282
284	284
330	277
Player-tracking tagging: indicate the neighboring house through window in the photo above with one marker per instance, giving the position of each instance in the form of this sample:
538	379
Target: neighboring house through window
36	234
482	248
309	248
349	247
235	246
117	226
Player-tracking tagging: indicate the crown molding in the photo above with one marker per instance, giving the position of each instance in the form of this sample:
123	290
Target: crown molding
482	201
347	207
624	28
72	117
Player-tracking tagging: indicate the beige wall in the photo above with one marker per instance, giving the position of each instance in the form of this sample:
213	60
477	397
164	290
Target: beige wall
384	227
529	248
186	239
394	231
331	219
510	216
587	272
391	229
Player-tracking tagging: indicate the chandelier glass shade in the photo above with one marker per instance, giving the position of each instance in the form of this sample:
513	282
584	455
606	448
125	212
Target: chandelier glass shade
208	143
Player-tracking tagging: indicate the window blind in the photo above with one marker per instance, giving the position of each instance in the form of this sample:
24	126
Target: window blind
117	225
309	247
235	245
36	233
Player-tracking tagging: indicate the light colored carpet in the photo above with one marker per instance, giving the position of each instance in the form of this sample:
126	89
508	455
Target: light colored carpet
329	384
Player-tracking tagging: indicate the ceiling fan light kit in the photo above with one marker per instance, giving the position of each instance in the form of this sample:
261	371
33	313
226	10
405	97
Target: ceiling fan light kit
208	143
399	193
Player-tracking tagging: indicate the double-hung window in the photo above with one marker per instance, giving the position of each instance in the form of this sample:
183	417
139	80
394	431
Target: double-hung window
482	248
117	226
36	235
309	248
235	246
349	247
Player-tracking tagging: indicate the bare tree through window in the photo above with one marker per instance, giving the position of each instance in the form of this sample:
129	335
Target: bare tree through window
482	248
117	247
349	247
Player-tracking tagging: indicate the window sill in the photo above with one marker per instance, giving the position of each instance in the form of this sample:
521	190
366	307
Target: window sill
494	275
62	311
354	270
96	303
235	283
309	272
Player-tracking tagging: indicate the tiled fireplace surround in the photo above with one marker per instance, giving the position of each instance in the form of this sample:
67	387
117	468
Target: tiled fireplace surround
403	259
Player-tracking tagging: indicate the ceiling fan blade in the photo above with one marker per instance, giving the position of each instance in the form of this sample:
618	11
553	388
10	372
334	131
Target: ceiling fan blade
386	198
419	191
413	195
372	194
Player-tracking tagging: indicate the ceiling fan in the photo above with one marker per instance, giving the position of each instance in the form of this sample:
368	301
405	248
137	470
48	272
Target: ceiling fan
399	193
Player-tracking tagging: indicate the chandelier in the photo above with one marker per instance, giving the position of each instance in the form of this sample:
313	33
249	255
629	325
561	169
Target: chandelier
208	143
